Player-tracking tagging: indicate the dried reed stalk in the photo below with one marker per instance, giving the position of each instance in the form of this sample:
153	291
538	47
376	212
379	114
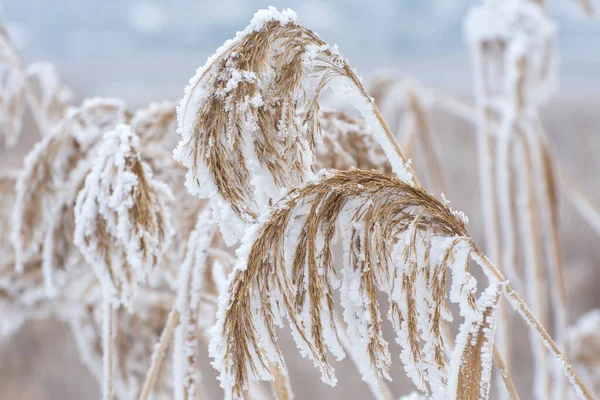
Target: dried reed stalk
534	273
546	186
560	360
515	61
424	133
159	353
192	285
108	348
586	209
505	374
395	95
489	201
135	333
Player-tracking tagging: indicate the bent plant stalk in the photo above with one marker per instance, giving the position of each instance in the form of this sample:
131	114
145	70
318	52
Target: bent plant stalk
422	126
544	187
160	350
521	307
505	374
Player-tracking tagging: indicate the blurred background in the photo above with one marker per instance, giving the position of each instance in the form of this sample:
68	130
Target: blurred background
144	50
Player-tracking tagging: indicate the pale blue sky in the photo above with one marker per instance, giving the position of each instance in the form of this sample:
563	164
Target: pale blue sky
138	45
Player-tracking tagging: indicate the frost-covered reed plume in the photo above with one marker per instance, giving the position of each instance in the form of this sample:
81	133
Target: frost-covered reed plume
250	110
122	225
290	253
238	105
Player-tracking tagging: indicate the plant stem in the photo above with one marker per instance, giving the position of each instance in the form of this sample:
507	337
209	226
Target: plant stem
504	373
424	130
545	184
159	352
107	345
395	144
521	307
535	278
388	133
488	185
581	203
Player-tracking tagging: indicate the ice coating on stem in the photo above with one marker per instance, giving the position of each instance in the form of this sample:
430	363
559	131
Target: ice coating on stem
471	359
187	378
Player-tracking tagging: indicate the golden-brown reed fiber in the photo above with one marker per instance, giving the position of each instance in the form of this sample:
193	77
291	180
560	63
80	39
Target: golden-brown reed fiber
385	208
